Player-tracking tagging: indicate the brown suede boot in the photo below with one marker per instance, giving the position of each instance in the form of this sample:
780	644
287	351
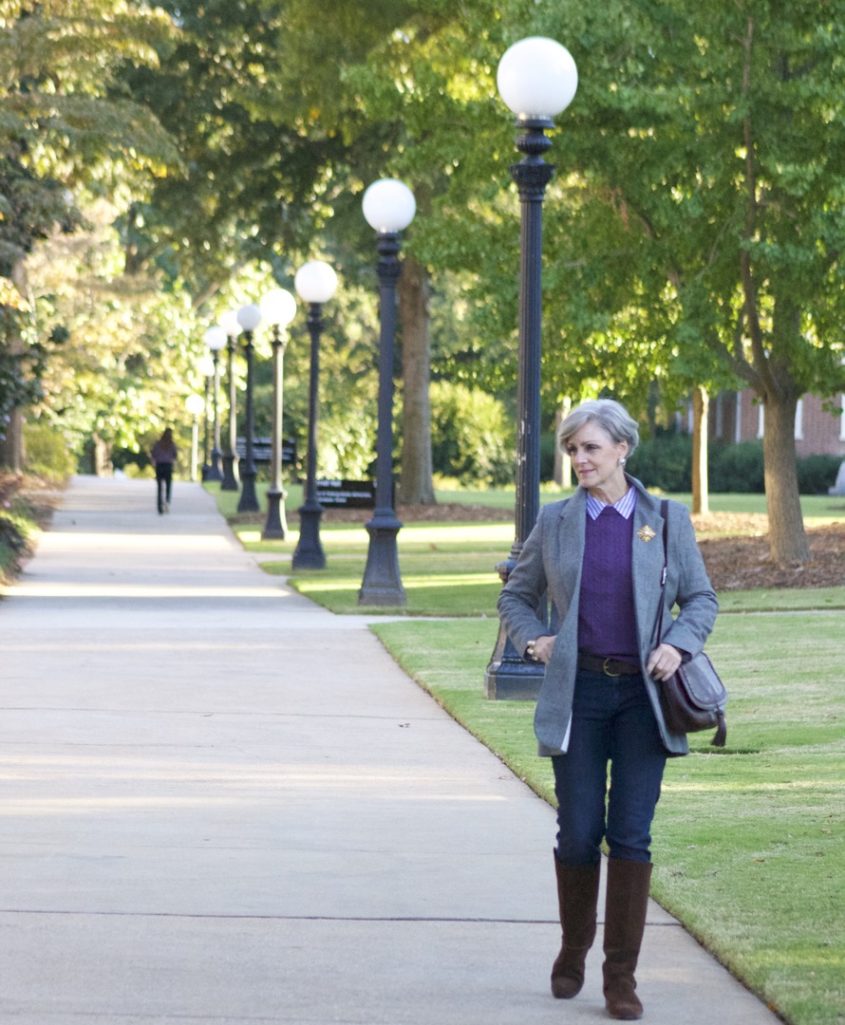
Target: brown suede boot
577	896
624	924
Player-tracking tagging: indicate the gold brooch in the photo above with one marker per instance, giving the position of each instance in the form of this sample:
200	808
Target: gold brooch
645	533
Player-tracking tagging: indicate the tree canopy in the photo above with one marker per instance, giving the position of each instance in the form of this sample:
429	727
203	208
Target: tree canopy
693	230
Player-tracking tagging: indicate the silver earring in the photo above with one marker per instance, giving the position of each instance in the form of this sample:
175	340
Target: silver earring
622	461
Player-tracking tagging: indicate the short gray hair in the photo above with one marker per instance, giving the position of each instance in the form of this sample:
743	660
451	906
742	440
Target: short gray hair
608	414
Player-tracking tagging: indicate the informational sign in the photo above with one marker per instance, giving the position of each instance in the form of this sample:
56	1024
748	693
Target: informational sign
346	494
262	450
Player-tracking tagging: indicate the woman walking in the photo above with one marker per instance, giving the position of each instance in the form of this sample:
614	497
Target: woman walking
599	557
163	454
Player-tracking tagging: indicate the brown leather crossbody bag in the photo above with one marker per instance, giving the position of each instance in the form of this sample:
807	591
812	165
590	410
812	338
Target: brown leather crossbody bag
694	698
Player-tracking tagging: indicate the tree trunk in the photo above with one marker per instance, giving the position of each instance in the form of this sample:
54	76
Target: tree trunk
101	456
700	485
787	540
11	447
563	464
416	485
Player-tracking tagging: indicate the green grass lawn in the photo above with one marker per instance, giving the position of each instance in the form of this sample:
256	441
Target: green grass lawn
448	569
747	843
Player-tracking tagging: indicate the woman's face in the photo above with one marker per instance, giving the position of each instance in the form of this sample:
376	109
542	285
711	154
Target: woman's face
595	458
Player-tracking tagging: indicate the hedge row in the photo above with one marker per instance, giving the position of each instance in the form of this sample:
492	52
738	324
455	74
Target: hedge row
665	462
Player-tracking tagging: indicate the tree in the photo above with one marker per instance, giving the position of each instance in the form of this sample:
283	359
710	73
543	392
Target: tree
391	90
715	136
254	171
58	132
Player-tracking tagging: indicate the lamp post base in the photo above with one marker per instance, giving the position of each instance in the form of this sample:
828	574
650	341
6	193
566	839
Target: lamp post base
275	526
230	476
382	583
212	471
248	500
309	553
509	677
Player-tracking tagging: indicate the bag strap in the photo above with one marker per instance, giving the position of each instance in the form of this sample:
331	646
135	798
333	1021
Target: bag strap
657	631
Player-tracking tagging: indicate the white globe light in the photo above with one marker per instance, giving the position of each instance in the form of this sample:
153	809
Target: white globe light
215	338
229	323
278	307
315	281
206	366
194	405
249	317
537	77
389	205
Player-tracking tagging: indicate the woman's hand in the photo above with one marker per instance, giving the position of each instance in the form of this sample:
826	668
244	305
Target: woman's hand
663	662
540	649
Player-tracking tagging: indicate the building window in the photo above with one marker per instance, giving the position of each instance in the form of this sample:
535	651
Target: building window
799	420
761	420
738	418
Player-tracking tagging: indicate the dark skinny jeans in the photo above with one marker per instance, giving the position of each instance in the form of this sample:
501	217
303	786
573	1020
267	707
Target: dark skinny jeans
164	484
612	723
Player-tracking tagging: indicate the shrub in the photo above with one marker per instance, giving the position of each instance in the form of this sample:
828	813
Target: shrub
472	435
47	453
817	473
737	468
664	461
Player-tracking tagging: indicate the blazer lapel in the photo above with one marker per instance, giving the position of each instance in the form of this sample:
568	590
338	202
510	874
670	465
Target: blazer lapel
647	561
570	547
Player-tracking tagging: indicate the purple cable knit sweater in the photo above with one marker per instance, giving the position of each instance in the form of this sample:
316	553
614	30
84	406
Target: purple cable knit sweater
606	620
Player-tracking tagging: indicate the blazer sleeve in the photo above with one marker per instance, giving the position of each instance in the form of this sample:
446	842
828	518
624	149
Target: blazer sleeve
522	596
693	592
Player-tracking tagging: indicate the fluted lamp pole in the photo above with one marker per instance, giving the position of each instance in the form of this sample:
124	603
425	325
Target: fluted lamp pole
249	317
206	367
278	308
215	339
315	283
389	207
537	79
231	477
195	405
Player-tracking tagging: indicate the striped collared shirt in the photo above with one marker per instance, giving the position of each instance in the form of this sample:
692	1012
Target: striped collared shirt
625	505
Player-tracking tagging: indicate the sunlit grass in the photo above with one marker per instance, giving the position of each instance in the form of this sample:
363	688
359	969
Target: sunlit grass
746	839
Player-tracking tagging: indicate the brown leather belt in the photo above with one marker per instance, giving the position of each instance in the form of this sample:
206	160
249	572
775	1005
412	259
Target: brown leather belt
608	666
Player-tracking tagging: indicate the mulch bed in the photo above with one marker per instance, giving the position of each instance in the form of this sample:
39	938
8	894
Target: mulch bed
734	563
742	563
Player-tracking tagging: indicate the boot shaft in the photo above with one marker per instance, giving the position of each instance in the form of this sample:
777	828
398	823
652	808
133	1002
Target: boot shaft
624	925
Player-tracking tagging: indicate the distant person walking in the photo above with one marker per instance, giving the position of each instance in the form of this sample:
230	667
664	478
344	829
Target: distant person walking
164	454
598	556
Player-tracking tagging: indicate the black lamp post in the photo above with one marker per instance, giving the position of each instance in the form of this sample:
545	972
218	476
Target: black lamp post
537	79
278	309
207	370
231	477
389	207
316	283
249	317
215	339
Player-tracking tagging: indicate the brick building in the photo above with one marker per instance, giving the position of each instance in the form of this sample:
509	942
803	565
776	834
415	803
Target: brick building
736	416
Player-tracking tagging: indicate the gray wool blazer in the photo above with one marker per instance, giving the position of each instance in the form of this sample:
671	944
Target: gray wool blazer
551	561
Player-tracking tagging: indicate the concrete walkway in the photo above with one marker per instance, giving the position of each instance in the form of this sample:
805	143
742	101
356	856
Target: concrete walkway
223	804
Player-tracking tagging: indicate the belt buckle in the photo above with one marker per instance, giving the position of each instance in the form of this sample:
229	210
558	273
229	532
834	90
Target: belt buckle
606	671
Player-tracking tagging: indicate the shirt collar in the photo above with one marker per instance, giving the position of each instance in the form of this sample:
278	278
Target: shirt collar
625	505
